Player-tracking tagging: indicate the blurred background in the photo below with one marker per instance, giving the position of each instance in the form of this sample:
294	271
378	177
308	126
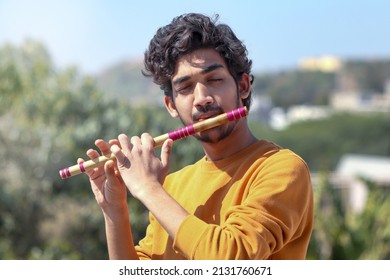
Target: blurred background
70	72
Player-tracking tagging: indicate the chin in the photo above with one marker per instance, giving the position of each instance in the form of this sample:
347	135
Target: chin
215	135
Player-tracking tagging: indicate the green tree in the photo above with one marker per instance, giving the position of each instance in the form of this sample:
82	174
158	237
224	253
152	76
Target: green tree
343	234
322	142
296	87
49	117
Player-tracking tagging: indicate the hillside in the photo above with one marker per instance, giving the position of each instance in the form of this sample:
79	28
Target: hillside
124	80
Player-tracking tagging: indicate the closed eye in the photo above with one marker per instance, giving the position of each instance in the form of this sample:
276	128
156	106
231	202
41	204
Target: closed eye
183	89
214	80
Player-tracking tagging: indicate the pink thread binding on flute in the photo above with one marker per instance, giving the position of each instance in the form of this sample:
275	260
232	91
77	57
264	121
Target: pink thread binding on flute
65	173
81	165
181	132
236	114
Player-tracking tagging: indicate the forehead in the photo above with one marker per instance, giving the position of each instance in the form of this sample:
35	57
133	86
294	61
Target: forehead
197	61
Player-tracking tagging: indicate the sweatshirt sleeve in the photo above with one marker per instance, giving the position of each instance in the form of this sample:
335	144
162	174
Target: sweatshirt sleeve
275	211
144	248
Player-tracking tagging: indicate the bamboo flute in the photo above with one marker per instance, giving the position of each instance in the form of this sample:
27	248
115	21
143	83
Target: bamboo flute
159	140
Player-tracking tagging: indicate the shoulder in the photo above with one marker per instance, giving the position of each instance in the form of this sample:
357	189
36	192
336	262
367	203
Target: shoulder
276	165
266	153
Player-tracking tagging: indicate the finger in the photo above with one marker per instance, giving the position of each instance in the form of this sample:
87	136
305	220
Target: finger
124	142
91	153
109	169
135	141
121	158
80	160
103	146
114	142
147	141
166	153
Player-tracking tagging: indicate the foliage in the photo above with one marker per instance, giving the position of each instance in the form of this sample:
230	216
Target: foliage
126	82
322	142
340	233
49	118
296	87
369	76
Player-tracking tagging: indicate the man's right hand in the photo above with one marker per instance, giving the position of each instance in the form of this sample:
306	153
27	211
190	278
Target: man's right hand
106	182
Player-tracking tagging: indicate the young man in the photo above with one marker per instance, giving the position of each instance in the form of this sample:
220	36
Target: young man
245	199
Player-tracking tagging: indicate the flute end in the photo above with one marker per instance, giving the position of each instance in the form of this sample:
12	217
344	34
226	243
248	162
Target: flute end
65	173
243	111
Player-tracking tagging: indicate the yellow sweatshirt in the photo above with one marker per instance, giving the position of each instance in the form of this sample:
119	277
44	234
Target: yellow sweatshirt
256	204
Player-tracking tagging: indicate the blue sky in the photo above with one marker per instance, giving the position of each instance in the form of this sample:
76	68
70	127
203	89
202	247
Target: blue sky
95	34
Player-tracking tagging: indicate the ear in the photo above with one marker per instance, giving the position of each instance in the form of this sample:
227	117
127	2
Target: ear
171	107
244	86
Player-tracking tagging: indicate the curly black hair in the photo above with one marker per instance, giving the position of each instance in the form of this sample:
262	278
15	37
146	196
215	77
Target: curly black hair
187	33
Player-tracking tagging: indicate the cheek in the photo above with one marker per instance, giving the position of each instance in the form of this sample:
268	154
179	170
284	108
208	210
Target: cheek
229	93
184	106
184	102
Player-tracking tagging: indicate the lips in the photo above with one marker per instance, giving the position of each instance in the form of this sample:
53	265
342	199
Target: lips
205	116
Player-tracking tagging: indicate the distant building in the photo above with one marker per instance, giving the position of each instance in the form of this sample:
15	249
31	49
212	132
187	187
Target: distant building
375	168
307	112
356	101
324	63
261	107
350	171
280	119
348	97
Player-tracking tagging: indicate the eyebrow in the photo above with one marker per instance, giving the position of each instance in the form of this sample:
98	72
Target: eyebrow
206	70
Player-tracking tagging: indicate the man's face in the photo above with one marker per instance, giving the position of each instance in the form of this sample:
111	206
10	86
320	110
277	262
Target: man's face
203	87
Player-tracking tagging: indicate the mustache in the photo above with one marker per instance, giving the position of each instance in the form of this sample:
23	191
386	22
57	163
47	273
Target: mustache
208	109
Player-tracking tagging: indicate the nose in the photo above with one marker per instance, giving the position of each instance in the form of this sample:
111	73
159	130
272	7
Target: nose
202	96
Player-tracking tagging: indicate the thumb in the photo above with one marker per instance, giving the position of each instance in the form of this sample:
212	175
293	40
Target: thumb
109	169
